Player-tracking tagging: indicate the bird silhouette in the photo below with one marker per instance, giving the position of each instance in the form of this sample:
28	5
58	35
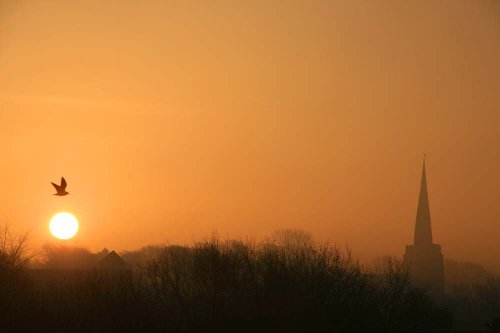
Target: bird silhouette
61	189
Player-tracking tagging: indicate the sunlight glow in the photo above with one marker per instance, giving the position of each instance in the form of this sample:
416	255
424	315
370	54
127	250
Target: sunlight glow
63	225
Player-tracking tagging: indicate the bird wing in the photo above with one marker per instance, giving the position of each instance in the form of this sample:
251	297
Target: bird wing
63	183
57	187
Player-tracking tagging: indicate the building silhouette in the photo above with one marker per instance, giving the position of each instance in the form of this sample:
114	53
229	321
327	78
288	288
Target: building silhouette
112	262
424	258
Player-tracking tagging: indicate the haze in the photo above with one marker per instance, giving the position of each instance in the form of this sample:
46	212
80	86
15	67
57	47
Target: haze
174	119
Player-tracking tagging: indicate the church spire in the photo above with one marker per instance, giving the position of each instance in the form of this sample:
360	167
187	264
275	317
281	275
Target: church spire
424	258
423	231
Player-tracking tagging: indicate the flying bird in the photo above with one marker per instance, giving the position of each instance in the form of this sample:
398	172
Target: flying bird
61	189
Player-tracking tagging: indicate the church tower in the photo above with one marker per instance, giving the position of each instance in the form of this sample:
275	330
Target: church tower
424	258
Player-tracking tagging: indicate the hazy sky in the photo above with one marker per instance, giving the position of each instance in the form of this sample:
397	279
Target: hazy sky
174	119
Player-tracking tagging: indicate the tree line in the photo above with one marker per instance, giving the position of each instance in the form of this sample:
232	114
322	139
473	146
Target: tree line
286	283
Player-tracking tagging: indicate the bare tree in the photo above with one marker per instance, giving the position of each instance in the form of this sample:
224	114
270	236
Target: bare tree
14	255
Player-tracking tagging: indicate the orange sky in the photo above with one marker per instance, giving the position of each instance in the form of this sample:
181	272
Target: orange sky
174	119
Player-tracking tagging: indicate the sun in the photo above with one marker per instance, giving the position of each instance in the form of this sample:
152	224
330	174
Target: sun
63	225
